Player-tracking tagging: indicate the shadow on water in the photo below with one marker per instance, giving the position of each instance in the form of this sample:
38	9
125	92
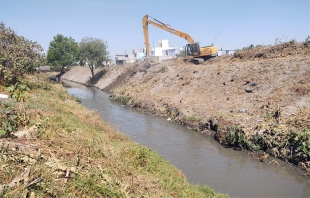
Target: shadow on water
200	157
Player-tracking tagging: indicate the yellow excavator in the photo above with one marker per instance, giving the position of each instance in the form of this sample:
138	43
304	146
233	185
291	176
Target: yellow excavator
192	50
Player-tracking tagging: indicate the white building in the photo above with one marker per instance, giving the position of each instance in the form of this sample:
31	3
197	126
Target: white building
160	53
164	51
225	52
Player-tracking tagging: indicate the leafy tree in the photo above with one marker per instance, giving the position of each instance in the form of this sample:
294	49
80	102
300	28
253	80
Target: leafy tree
93	52
17	56
62	52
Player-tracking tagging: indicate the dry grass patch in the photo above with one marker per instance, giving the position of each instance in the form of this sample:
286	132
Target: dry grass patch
67	151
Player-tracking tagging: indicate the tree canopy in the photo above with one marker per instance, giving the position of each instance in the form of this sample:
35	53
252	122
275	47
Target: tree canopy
17	55
62	52
93	52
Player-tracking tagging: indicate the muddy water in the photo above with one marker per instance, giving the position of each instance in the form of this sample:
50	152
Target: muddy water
200	157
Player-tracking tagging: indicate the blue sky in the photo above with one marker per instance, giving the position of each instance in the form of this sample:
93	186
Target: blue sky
229	24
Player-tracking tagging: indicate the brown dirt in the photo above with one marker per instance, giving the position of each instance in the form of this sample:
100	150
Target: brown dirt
213	95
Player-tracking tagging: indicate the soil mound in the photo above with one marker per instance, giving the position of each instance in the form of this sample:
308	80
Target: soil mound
257	99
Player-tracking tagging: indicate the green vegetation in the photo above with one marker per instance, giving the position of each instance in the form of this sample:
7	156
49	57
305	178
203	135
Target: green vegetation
11	119
51	146
194	118
119	95
235	136
292	145
69	152
62	52
17	56
121	99
163	69
93	52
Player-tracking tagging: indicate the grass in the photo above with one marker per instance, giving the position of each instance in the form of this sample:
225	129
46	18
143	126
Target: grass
163	69
194	118
119	95
70	152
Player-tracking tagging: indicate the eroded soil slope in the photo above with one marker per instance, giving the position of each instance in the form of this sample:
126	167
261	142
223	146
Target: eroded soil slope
258	99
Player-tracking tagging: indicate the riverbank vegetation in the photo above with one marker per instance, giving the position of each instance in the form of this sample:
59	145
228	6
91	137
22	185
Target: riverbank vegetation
63	149
51	146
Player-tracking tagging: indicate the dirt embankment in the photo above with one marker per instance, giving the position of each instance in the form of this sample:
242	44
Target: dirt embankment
258	99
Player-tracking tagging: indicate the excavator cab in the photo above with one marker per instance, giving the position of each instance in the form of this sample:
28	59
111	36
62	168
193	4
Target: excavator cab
192	49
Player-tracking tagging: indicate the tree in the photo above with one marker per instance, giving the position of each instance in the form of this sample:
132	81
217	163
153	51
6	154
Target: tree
17	56
62	52
93	52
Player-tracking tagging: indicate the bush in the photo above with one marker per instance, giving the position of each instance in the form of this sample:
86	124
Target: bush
17	56
11	119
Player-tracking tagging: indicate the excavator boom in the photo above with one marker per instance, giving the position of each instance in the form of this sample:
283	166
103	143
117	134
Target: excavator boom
166	27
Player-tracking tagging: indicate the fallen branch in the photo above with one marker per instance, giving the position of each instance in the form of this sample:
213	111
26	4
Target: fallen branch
34	182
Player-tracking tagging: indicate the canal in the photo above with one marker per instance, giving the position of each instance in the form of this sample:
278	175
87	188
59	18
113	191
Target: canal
203	160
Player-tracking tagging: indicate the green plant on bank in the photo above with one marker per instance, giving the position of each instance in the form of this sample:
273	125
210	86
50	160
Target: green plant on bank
14	115
269	113
101	162
46	86
18	91
163	69
235	136
11	119
292	145
118	95
300	141
171	115
194	118
121	99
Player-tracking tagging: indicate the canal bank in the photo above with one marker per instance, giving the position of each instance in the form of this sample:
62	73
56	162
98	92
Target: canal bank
248	102
65	150
200	157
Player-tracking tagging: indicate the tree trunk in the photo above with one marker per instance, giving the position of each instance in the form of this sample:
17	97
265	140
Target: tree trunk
62	71
92	70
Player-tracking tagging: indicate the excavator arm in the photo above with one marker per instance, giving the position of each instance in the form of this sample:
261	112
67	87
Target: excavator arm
166	27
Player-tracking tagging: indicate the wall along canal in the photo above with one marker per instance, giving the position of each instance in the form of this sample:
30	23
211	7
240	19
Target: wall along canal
203	160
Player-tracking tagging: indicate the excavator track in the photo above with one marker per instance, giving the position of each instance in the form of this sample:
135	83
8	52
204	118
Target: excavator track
198	61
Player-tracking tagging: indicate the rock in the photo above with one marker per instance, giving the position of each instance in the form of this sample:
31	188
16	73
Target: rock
243	110
168	119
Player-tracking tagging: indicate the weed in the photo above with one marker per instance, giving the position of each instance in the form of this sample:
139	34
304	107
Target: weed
194	118
268	114
46	86
78	100
122	99
235	136
12	117
18	91
119	95
163	69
